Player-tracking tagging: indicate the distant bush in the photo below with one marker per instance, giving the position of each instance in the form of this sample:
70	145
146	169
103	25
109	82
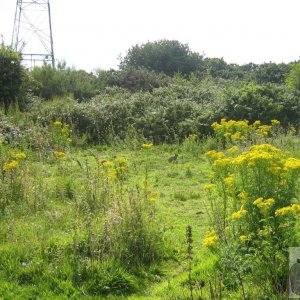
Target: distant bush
161	119
167	56
12	76
49	83
170	113
263	102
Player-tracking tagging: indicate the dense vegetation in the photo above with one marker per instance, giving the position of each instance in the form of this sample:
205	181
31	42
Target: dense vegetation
174	177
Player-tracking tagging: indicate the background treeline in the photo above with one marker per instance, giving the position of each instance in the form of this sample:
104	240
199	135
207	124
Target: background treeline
162	90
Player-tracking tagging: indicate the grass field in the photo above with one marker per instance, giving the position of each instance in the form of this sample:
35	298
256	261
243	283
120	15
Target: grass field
111	222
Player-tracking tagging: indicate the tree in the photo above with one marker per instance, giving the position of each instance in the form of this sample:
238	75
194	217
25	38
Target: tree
167	56
11	76
293	78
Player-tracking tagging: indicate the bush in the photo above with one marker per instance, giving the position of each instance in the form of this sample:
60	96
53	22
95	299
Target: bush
165	56
12	76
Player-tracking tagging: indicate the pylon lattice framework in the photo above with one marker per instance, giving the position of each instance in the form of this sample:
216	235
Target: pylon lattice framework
32	33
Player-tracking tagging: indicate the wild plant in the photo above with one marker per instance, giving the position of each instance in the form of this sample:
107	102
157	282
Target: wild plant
254	204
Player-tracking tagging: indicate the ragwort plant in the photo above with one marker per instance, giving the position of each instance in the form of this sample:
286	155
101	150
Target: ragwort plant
14	176
253	207
234	132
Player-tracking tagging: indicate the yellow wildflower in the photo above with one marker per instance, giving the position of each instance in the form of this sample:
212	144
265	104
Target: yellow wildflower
10	166
239	214
147	146
112	175
296	208
229	180
265	147
257	123
243	195
18	155
233	150
120	170
292	130
210	239
281	212
107	164
264	205
243	238
214	155
224	162
275	122
237	136
209	186
263	130
153	196
265	231
59	155
57	123
292	163
121	161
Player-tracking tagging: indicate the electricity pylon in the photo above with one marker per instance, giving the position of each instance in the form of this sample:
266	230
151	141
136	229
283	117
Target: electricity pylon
32	33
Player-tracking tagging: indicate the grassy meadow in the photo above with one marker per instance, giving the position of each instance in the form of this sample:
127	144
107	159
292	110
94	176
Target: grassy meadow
199	218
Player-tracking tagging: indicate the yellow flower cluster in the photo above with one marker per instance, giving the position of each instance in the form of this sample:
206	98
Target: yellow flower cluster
10	166
57	123
209	186
121	161
147	146
229	180
275	122
234	130
239	214
233	150
259	153
59	155
112	175
243	238
210	239
214	155
243	195
153	196
288	210
292	164
264	204
107	164
240	130
18	155
267	230
263	130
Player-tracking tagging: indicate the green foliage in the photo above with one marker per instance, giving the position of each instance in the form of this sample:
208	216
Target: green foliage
293	78
131	79
255	102
11	76
167	56
50	82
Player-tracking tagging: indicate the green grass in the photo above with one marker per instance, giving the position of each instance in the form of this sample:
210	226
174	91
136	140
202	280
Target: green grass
63	240
38	234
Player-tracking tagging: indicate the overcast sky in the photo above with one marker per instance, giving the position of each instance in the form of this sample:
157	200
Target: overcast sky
93	33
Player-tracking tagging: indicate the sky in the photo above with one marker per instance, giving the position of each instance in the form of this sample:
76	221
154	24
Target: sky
92	34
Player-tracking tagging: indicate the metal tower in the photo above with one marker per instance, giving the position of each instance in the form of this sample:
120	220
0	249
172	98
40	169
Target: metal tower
32	33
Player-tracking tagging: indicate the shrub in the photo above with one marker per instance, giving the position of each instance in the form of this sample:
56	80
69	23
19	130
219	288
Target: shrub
254	207
12	76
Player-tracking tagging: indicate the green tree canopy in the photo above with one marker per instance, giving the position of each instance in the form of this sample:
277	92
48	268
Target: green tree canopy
293	78
167	56
11	76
